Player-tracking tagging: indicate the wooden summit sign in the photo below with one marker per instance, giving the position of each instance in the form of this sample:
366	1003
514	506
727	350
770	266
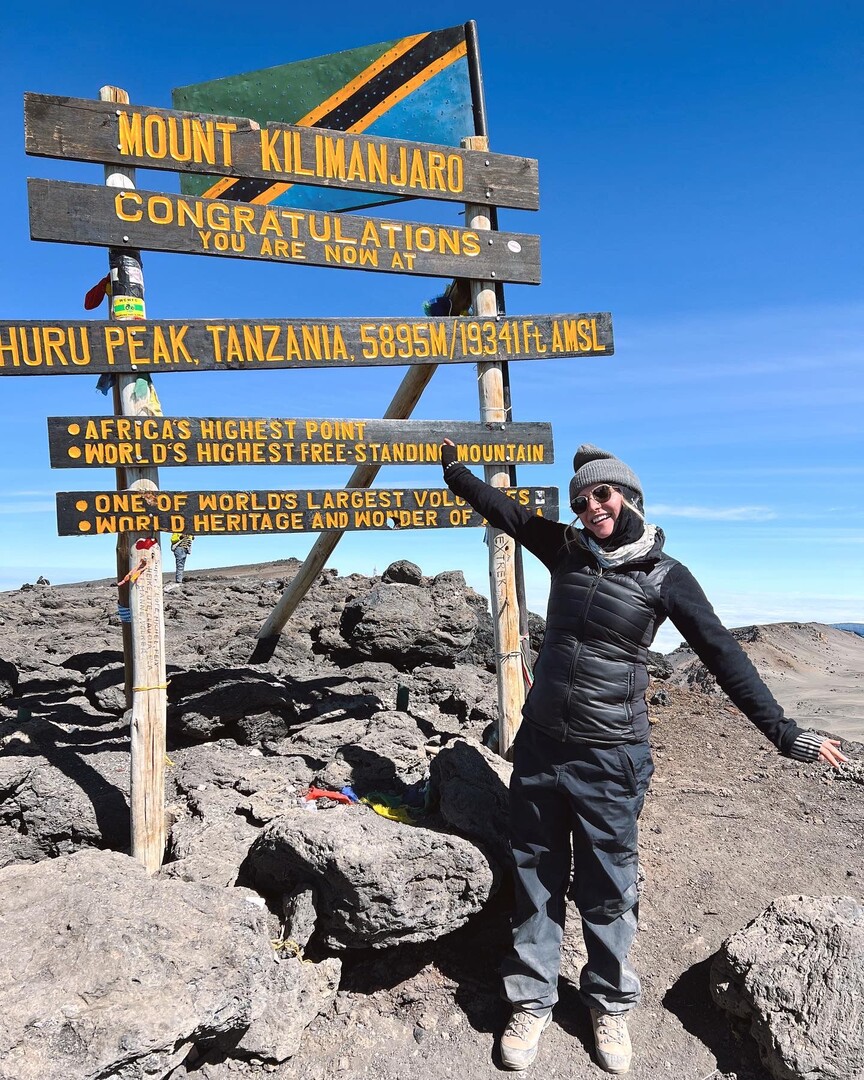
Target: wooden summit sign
283	154
261	163
85	347
121	441
80	513
124	218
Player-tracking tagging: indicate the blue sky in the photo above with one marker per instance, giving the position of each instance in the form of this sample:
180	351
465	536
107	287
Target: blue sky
700	178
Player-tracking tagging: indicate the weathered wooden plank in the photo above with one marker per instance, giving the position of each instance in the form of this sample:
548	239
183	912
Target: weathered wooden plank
158	221
87	347
91	513
112	441
138	135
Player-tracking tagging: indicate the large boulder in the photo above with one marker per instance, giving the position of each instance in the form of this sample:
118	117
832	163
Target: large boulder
796	973
378	882
252	706
470	784
407	625
132	972
106	688
380	752
460	700
244	704
403	572
223	795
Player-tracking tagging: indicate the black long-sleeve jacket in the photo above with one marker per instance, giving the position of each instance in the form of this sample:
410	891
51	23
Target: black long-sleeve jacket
590	677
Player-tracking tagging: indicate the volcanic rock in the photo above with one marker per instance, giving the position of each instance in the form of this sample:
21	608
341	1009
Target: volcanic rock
796	973
378	882
403	572
406	625
133	972
470	784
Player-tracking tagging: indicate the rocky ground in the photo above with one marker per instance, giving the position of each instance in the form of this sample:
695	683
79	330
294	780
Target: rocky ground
728	825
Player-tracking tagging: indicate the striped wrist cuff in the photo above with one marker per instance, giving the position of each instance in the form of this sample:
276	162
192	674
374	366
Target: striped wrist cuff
806	746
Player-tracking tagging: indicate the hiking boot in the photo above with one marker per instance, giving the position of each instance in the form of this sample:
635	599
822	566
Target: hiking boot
614	1052
520	1038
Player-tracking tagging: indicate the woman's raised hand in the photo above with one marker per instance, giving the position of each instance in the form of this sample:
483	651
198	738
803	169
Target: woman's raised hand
448	454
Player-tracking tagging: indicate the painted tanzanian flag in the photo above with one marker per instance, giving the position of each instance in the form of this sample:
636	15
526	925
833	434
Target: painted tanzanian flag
417	88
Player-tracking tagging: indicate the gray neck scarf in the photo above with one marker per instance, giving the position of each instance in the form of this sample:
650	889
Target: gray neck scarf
627	553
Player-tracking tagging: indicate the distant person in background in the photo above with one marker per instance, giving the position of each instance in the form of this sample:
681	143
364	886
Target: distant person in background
581	758
181	545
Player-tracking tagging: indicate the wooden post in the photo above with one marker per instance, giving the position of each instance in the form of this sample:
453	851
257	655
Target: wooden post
400	408
144	568
502	548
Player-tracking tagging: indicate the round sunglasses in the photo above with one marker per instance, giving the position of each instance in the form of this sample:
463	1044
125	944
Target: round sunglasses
600	494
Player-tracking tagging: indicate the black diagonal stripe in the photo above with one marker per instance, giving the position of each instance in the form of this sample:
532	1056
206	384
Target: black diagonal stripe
382	85
246	188
366	97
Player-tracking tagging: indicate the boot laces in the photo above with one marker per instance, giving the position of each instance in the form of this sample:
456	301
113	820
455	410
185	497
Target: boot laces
611	1028
520	1025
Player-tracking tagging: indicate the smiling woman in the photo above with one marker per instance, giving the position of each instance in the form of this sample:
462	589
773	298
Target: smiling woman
581	758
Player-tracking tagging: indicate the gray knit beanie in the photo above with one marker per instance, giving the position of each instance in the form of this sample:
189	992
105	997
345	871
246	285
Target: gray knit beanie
591	465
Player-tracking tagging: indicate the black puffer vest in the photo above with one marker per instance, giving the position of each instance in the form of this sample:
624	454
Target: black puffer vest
590	678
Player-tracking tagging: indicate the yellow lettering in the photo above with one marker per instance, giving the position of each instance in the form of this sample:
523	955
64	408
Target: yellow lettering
470	243
203	142
130	134
190	212
270	223
334	157
180	150
370	234
273	342
418	173
155	143
124	197
378	164
356	165
269	160
597	346
226	131
436	171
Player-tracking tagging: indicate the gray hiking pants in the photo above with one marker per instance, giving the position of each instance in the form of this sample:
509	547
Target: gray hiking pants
573	814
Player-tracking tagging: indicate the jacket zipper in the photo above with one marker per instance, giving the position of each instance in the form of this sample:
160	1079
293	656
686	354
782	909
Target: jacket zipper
574	663
631	686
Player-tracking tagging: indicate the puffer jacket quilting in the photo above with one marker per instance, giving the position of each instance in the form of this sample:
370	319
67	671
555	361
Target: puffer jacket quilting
590	677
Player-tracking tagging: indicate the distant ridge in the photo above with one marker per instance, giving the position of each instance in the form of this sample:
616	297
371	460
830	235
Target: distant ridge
815	671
